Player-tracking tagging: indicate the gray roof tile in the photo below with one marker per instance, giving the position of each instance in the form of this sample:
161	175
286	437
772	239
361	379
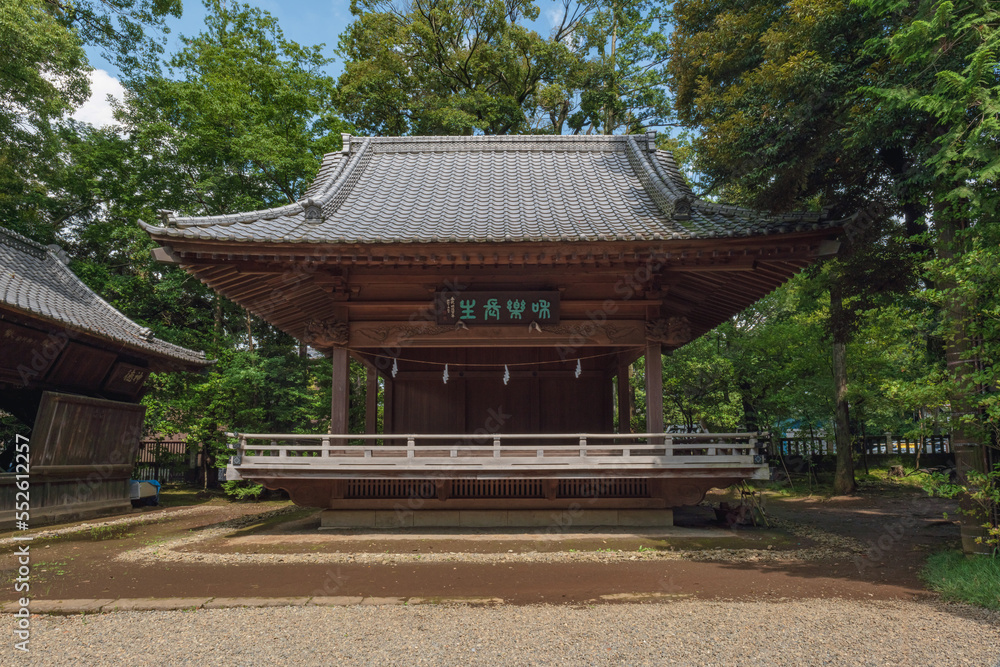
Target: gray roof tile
34	281
505	188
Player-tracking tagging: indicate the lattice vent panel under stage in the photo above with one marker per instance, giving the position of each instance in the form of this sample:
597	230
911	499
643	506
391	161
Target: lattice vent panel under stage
604	488
391	488
497	488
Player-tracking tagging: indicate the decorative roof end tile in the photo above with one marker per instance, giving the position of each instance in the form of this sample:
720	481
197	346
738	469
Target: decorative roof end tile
682	209
166	217
313	212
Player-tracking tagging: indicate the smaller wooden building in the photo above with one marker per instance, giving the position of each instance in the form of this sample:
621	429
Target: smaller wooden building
72	368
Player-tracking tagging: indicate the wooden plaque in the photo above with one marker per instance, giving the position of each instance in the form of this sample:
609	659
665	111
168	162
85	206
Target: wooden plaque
486	308
126	379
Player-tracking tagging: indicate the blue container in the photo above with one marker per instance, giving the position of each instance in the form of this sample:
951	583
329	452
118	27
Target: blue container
144	492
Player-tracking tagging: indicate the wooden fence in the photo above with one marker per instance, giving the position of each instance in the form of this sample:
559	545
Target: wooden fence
887	444
163	460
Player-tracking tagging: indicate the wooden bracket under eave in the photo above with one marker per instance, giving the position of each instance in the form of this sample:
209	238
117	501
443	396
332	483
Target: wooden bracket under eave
166	255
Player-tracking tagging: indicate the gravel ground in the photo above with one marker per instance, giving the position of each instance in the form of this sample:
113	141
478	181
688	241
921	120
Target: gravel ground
184	549
804	632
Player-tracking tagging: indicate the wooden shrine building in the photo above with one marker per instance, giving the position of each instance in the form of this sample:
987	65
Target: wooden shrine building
73	369
498	287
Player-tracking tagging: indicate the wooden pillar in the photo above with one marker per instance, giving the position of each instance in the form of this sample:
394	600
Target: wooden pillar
341	391
371	401
624	400
654	388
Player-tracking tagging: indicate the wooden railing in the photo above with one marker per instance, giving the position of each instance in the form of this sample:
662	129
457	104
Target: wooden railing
342	454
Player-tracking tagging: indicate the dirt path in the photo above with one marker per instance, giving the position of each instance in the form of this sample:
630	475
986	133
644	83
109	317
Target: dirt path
869	547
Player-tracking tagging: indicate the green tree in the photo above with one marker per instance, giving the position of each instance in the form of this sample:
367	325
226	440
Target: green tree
239	122
43	76
450	67
617	82
699	386
941	67
128	32
446	67
242	121
780	93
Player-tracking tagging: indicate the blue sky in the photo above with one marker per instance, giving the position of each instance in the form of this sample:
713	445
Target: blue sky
308	22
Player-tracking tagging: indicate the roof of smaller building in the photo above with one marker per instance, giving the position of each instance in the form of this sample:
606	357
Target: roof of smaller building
492	189
36	282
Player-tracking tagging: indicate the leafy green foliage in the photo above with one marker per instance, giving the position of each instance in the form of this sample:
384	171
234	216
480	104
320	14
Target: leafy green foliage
889	114
618	81
699	386
127	31
444	66
242	123
943	64
242	490
436	67
43	76
239	122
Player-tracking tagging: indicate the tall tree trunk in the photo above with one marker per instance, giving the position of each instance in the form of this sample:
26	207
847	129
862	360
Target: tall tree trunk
843	481
204	465
969	452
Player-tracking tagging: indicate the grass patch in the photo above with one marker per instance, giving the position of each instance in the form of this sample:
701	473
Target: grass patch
799	487
974	580
182	496
260	526
118	531
877	480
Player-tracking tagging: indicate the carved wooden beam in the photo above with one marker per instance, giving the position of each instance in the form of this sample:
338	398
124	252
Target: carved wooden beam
569	333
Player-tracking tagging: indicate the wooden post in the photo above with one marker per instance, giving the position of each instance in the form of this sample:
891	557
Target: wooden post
341	392
654	388
624	401
371	401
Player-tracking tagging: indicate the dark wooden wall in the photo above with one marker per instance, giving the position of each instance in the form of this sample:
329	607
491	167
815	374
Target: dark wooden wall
540	397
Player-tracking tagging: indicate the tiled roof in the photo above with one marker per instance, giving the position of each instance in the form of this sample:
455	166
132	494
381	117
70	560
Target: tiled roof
491	189
35	281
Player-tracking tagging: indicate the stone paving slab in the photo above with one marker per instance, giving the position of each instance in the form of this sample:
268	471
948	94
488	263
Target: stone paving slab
381	601
224	603
109	605
154	604
335	600
86	606
472	601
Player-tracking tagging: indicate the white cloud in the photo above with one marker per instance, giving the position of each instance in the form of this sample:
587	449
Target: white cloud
97	110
